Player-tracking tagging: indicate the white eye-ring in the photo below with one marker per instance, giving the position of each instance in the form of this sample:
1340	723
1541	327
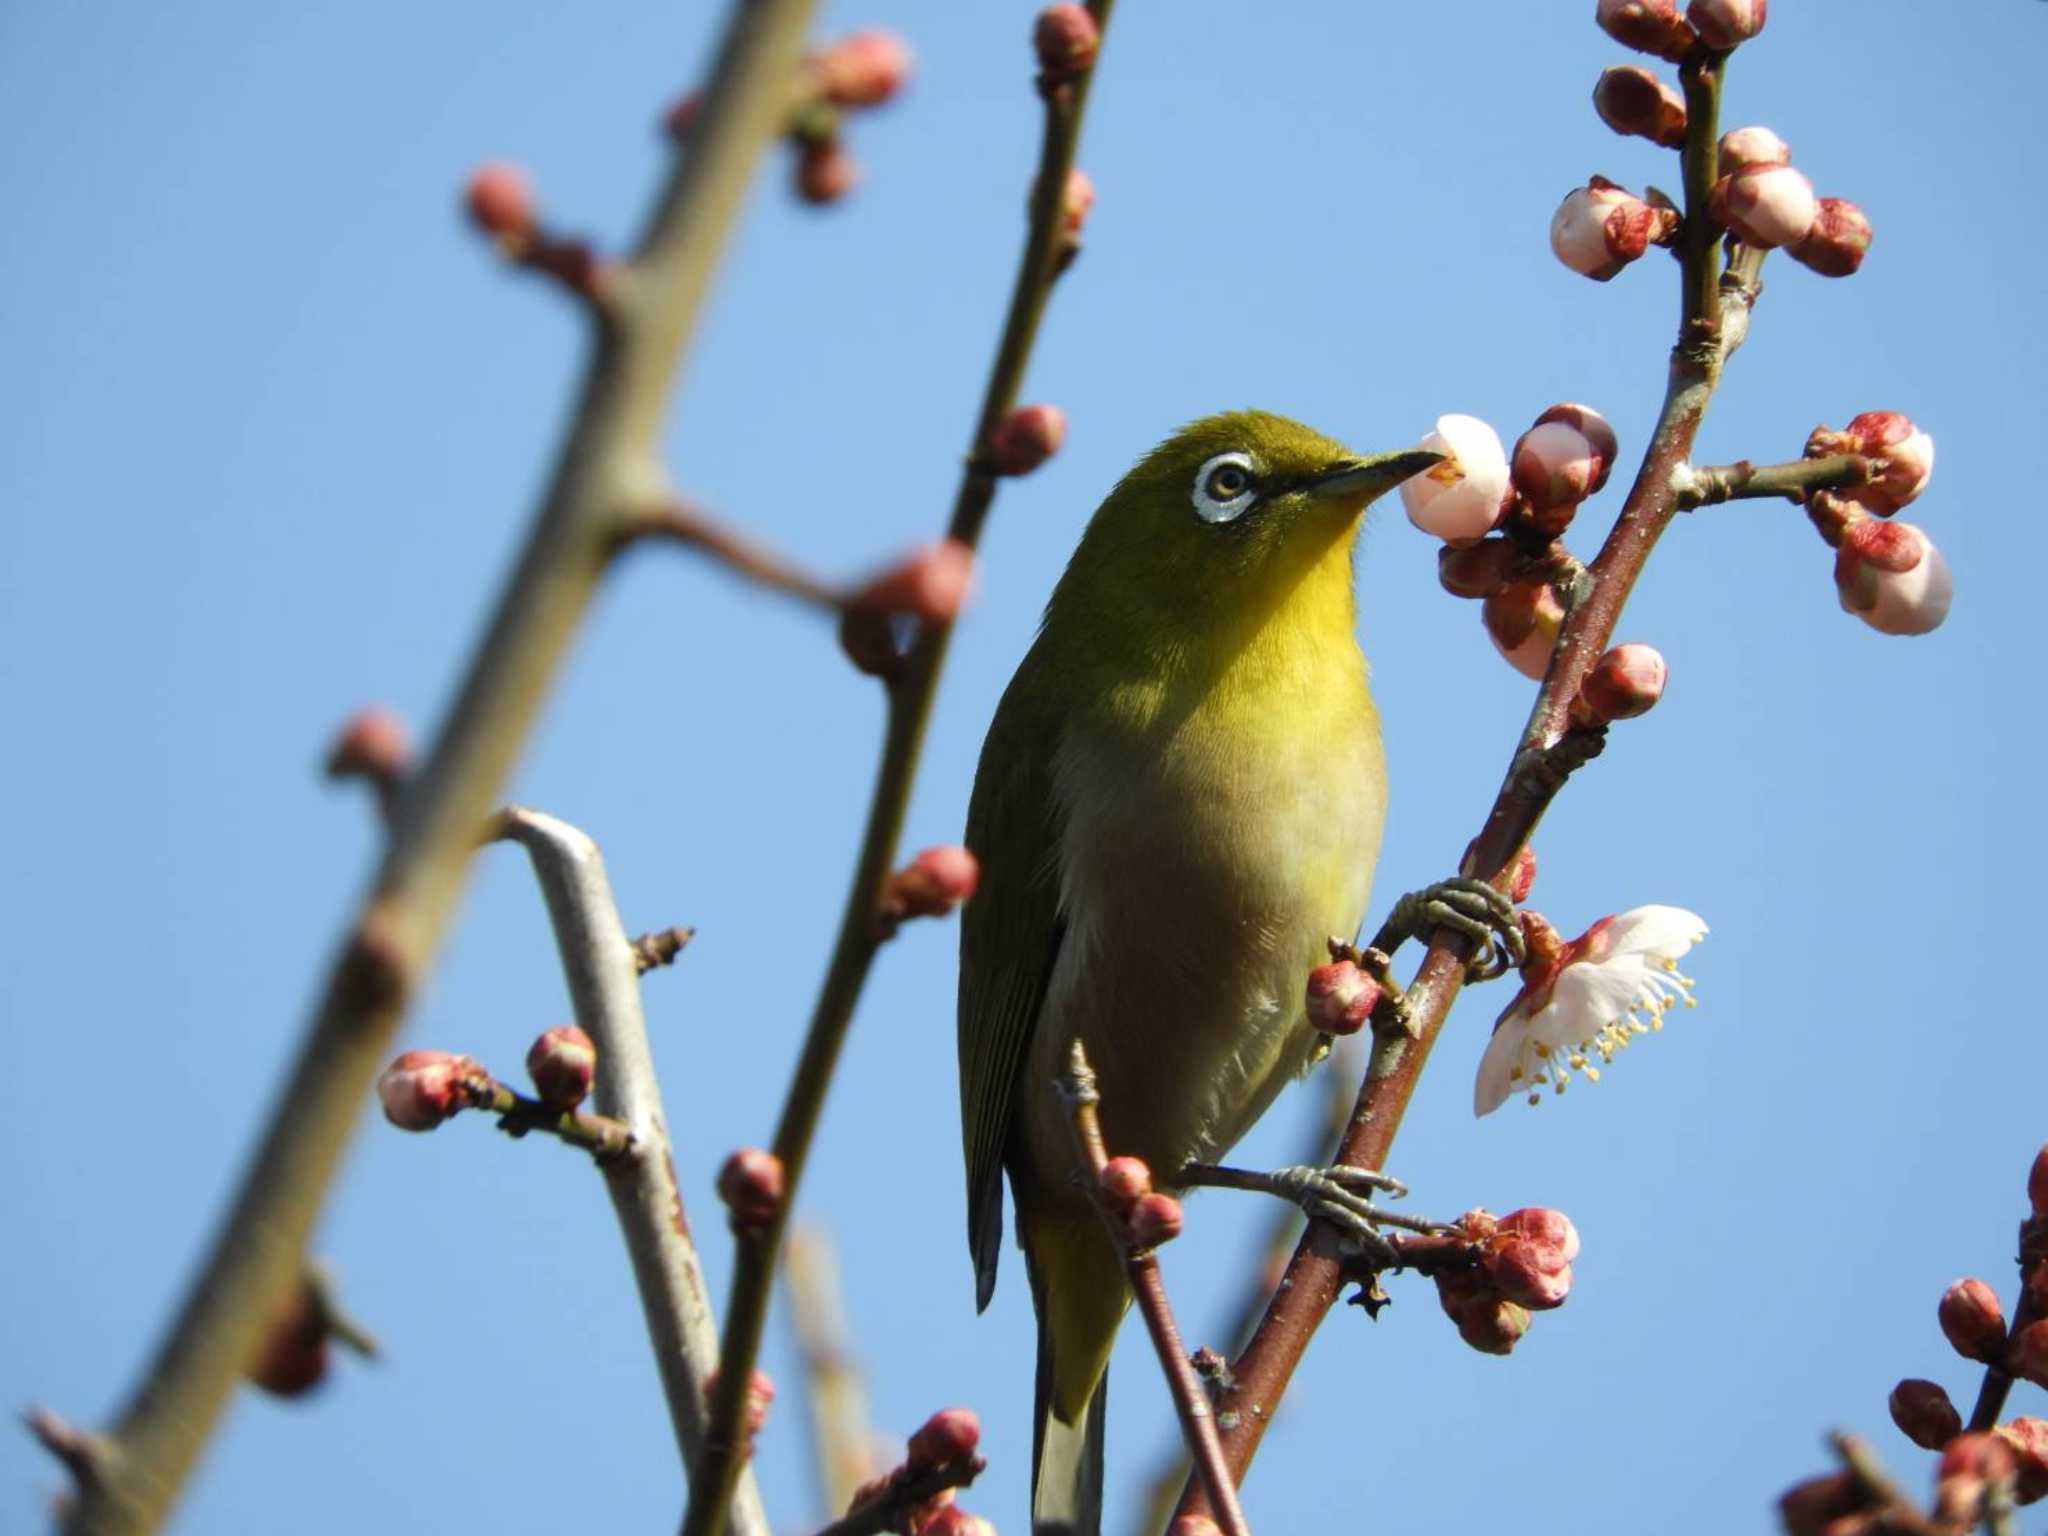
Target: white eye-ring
1224	488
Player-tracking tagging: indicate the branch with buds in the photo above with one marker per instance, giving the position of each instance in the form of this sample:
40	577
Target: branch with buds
1503	517
1007	440
1140	1218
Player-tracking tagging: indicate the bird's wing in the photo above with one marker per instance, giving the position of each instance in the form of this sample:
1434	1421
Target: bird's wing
1009	936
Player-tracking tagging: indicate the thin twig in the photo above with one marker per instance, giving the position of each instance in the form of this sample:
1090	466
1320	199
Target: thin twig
910	701
679	522
1883	1497
609	463
1794	481
651	951
885	1512
1314	1276
1141	1270
843	1442
602	969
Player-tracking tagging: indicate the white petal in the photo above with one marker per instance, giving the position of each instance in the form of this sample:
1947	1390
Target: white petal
1492	1088
1656	930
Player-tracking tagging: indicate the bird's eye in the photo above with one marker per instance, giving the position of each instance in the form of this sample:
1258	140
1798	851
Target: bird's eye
1223	488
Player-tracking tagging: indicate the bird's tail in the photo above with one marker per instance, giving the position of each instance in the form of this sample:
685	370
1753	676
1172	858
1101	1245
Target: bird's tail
1078	1292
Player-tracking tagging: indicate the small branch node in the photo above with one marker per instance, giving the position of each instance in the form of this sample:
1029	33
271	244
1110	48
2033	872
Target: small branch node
651	951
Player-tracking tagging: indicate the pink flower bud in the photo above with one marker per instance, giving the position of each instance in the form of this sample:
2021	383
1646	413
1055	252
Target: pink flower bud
1838	240
1026	438
1970	1464
1765	205
1562	460
2029	1355
933	884
499	198
1924	1414
1813	1507
1341	998
1973	1322
1912	601
863	69
760	1398
1902	457
1626	682
1459	497
682	117
372	745
825	171
1155	1219
294	1354
2027	1439
930	584
1524	878
1633	101
1066	39
1522	620
1725	23
752	1185
947	1435
1475	570
1124	1181
2037	1184
1600	228
1076	203
1528	1258
423	1088
1752	146
1648	26
562	1063
1486	1320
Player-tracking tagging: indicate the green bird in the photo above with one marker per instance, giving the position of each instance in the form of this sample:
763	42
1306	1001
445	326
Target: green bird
1179	801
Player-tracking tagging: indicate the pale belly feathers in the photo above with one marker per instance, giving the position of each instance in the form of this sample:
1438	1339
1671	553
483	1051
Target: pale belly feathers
1199	883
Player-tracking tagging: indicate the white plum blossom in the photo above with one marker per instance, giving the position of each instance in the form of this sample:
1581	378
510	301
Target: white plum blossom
1588	998
1459	498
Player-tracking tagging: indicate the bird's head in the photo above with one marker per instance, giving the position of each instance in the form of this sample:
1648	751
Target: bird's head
1227	520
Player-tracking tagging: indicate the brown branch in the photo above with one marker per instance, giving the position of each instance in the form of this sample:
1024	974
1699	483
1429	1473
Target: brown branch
1998	1381
910	695
679	522
610	457
1315	1274
1141	1270
1795	481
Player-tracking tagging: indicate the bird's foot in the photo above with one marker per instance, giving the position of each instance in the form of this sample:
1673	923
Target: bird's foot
1336	1195
1470	907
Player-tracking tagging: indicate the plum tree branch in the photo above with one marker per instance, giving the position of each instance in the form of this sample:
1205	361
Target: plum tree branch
603	968
910	695
608	463
1315	1274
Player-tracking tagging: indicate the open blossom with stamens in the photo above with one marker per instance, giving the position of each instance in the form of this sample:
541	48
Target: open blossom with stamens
1584	999
1459	497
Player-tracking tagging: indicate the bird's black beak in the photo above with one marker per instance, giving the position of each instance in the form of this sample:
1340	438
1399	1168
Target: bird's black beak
1369	478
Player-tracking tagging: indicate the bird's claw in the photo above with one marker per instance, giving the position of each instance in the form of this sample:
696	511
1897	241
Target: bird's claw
1335	1195
1466	906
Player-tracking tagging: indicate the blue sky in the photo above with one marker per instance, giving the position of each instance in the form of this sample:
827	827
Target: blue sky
274	424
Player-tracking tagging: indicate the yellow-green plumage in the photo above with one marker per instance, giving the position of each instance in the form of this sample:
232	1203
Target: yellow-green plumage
1179	799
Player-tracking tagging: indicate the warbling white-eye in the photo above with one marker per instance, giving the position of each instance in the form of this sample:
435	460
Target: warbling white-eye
1178	803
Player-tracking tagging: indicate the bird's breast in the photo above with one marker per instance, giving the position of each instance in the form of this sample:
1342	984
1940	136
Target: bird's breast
1204	859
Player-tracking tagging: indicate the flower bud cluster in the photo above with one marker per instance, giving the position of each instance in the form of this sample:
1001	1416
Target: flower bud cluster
1147	1216
1888	574
1525	1265
948	1437
1764	201
1656	27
